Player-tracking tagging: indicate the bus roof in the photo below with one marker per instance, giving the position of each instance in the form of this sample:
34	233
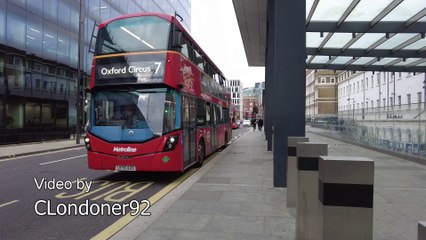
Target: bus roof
169	18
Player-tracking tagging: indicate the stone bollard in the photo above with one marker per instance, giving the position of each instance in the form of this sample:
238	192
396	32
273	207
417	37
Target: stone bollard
307	208
346	189
292	170
421	231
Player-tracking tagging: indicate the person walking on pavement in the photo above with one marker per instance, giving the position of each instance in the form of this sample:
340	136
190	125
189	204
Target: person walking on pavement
253	124
260	123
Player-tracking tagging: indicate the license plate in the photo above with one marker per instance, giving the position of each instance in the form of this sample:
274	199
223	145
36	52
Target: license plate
125	168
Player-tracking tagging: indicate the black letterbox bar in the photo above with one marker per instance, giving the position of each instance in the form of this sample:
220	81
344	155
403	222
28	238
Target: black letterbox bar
307	163
291	151
345	195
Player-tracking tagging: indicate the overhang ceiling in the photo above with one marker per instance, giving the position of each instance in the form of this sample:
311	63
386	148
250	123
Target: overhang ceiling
361	35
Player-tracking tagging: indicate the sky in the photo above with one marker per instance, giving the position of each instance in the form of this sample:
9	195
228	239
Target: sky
215	28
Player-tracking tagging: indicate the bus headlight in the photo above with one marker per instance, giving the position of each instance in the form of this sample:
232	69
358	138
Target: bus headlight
170	143
87	142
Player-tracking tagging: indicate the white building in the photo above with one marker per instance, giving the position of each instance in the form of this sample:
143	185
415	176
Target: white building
390	107
236	88
370	90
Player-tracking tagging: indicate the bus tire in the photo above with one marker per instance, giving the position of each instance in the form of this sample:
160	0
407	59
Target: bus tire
201	153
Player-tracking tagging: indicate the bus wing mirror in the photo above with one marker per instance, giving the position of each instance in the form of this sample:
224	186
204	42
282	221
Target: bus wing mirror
178	40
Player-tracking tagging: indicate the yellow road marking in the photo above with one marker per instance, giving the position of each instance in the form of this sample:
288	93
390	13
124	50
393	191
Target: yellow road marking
123	221
8	203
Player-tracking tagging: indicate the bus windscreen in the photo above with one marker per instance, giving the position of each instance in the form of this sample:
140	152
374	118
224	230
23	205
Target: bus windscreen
148	113
144	33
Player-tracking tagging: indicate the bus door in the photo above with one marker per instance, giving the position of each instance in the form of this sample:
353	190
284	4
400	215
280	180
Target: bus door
214	126
189	133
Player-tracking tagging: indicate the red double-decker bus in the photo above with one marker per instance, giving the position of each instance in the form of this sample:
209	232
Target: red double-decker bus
157	101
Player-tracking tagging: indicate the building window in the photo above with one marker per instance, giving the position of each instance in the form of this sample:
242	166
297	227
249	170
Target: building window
409	99
399	100
391	101
419	97
384	102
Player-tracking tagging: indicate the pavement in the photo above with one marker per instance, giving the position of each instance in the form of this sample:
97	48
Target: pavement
17	150
232	195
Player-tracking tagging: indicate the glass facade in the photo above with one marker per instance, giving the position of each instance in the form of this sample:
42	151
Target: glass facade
39	57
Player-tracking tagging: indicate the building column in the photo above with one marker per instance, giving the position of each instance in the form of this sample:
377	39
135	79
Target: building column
288	79
269	74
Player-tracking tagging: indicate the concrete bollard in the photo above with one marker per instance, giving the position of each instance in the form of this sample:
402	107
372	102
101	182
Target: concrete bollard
421	231
346	189
307	209
292	169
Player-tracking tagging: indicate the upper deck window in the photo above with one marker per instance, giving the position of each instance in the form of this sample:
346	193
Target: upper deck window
134	34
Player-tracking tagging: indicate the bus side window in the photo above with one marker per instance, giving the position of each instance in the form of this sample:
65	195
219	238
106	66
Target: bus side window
208	118
201	112
225	115
186	49
199	61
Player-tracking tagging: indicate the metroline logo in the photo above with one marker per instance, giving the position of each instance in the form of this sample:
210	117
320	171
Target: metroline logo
124	149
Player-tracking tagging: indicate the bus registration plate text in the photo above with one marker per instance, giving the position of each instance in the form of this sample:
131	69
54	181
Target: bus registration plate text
125	168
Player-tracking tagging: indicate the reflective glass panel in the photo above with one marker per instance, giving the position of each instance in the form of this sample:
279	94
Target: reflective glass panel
64	13
338	40
2	21
417	45
74	16
16	20
384	61
314	39
363	60
34	34
63	45
73	57
396	40
105	10
407	61
366	40
92	8
320	59
51	10
330	10
50	39
35	6
367	10
20	3
405	10
341	60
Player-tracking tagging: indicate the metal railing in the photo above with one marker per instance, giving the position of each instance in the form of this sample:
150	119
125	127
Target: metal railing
400	129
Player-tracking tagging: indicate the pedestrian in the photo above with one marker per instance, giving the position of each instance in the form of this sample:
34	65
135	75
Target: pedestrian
253	124
260	124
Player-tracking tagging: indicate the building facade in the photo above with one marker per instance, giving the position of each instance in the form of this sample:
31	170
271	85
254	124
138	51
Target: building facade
321	94
236	89
39	49
253	96
386	109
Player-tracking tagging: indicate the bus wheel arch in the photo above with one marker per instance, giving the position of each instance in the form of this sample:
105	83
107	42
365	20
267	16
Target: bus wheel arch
201	153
